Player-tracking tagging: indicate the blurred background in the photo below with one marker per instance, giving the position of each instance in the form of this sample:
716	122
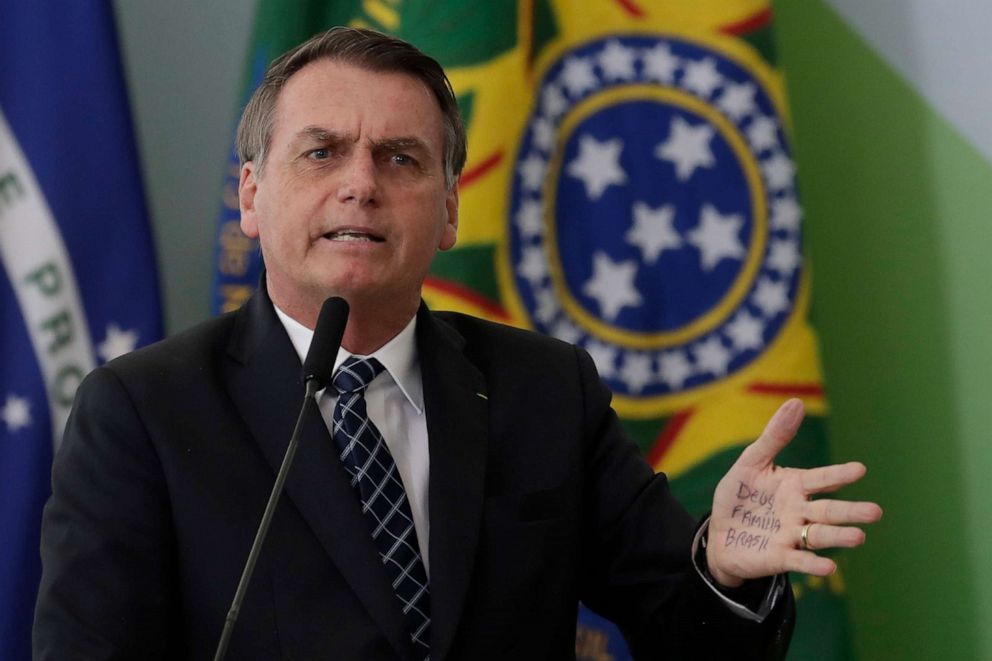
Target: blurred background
891	105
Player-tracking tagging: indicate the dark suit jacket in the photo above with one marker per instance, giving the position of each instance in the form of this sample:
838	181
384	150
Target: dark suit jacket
536	501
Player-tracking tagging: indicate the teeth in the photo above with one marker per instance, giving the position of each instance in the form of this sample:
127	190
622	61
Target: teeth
349	236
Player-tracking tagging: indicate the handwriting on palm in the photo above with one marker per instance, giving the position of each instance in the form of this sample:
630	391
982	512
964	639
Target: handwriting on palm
760	510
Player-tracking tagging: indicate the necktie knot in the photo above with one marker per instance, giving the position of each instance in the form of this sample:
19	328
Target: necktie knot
355	374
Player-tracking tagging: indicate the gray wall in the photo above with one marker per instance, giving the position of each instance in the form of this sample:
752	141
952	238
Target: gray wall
183	62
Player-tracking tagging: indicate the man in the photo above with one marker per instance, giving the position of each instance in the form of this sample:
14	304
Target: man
517	495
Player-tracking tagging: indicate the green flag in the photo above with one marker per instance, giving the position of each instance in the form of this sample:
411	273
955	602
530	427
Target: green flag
630	188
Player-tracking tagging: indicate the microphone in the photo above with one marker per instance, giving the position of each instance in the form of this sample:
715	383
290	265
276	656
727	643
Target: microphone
319	364
317	370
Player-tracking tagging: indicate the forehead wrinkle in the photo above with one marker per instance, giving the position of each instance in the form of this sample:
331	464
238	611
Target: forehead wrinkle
320	134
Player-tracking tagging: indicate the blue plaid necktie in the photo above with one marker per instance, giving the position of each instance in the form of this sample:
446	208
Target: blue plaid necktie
380	488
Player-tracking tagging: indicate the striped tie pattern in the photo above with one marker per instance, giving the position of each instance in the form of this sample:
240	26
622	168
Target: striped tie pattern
380	488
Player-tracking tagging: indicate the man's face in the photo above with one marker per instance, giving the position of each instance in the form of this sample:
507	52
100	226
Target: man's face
352	200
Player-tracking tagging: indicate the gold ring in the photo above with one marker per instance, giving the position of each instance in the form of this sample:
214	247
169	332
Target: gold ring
804	539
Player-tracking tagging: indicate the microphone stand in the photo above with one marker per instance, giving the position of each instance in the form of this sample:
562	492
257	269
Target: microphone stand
317	369
313	385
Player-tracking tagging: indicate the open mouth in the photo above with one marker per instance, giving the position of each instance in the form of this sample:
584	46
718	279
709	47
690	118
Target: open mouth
353	235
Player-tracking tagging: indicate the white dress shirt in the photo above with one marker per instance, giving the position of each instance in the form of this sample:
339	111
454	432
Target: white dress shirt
395	403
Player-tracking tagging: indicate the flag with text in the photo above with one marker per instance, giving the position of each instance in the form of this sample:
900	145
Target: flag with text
78	285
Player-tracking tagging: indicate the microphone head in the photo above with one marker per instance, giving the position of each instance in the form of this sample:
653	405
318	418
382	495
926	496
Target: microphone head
319	364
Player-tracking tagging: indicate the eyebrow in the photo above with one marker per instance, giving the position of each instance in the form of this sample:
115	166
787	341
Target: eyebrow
319	134
399	144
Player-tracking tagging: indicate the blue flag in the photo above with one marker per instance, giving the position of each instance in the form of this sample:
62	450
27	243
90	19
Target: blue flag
78	285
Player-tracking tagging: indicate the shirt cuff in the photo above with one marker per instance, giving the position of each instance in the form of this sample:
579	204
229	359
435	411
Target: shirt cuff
776	586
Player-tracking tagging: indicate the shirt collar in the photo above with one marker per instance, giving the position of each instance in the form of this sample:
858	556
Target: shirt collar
398	356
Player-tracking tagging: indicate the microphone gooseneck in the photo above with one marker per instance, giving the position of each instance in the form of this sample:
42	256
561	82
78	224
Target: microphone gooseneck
317	371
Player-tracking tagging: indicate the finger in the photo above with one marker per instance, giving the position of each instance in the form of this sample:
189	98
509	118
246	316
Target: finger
833	511
809	563
778	432
824	536
831	478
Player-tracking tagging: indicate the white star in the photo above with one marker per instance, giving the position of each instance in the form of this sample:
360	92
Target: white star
547	305
605	357
553	101
617	61
762	134
687	146
653	231
636	371
533	170
702	77
746	331
660	64
712	356
117	343
786	214
612	285
674	369
783	256
544	134
598	165
779	171
530	218
566	331
16	412
533	267
737	100
717	237
771	297
578	76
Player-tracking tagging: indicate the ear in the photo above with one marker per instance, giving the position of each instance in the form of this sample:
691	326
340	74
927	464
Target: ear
450	232
247	188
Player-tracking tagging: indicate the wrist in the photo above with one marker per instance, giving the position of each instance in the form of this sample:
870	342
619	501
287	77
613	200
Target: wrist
722	578
703	559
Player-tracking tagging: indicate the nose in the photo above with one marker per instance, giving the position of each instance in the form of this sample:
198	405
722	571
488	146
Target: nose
358	184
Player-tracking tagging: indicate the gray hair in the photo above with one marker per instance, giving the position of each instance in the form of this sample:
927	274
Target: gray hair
362	48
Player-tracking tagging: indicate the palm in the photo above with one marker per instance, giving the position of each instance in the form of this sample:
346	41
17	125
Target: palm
760	510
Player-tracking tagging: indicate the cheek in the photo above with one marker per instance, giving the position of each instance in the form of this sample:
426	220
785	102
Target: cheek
283	225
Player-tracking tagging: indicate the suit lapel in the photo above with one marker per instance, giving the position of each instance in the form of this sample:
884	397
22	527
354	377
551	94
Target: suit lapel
266	385
457	424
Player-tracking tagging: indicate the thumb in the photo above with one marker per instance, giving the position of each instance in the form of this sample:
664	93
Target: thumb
777	434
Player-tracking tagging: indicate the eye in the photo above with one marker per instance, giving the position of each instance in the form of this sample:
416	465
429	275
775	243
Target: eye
401	159
319	154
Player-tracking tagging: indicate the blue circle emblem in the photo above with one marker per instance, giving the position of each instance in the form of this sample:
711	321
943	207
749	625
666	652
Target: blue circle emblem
653	213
